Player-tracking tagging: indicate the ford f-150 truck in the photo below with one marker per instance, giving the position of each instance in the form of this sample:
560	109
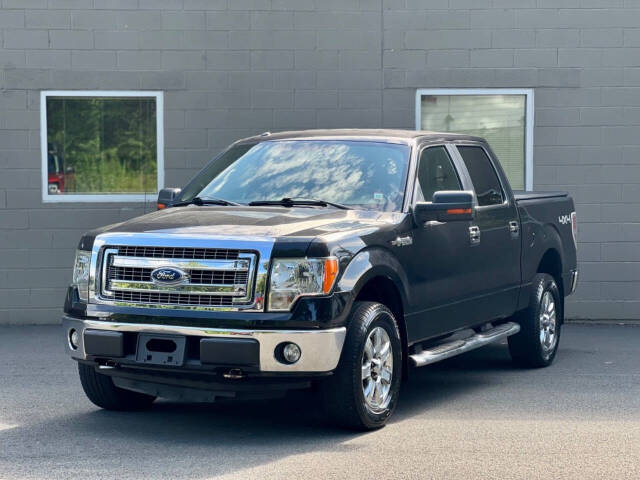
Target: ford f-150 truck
325	259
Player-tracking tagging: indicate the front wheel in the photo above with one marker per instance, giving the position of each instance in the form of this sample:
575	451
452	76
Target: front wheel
540	324
363	391
102	392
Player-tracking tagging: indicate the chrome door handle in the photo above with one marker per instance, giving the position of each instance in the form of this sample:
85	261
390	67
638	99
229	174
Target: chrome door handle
474	235
514	228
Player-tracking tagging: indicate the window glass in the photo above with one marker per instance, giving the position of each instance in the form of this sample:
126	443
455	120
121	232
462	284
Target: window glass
361	174
483	176
435	173
101	145
500	119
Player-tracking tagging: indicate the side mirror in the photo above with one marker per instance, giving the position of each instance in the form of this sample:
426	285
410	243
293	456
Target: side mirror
166	196
70	170
446	206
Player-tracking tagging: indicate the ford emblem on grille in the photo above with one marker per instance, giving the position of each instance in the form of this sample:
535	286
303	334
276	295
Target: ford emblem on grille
168	276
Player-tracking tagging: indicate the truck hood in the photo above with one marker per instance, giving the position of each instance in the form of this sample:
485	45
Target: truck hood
256	221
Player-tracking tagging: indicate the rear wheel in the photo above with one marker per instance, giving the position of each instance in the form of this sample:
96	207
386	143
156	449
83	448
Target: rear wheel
363	391
540	324
103	393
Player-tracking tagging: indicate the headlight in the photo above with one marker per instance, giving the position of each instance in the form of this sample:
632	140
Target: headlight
81	274
296	277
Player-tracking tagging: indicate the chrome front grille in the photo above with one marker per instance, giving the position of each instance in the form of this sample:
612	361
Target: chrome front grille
179	252
211	277
173	299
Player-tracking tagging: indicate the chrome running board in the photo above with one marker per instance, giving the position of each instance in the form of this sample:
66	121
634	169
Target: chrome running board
456	347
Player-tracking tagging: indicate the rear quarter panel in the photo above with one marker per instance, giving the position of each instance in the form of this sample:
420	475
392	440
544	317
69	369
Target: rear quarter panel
544	227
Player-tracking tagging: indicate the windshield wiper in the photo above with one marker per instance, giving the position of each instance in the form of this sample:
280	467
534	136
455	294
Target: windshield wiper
205	201
291	202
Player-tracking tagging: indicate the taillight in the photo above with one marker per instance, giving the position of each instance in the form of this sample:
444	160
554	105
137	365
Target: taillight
574	228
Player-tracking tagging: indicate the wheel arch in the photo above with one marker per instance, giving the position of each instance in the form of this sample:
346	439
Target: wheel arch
376	275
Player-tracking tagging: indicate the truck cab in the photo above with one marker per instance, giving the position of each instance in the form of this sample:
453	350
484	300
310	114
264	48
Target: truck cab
334	259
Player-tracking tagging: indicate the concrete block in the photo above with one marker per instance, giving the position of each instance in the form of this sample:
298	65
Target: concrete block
128	20
205	4
116	40
448	39
183	20
70	4
601	37
206	80
272	99
272	20
316	99
93	60
250	5
405	59
178	60
295	80
557	37
491	58
294	119
161	4
71	39
536	57
225	20
360	60
493	18
139	60
12	220
513	38
163	80
580	57
448	58
289	5
48	59
94	20
161	40
26	39
13	19
316	60
203	39
189	138
271	60
228	60
360	99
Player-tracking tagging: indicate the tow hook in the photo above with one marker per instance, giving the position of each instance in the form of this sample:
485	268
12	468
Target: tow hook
234	374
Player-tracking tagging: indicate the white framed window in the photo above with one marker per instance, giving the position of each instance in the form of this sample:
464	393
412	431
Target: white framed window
101	146
504	117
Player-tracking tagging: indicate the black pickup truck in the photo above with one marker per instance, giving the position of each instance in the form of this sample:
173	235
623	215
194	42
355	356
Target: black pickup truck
325	259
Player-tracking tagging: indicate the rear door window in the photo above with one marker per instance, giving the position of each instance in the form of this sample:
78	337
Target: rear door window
483	175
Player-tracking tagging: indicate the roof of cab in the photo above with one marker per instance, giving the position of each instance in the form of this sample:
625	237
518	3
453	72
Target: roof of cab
357	133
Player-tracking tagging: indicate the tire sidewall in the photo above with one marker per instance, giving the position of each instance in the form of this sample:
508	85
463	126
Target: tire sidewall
379	317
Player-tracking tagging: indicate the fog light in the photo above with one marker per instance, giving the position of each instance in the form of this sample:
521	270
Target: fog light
74	338
291	352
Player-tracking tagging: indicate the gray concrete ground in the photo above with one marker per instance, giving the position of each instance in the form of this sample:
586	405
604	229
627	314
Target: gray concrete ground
474	416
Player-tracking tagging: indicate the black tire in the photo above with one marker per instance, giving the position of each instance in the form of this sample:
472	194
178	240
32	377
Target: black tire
527	347
103	393
343	396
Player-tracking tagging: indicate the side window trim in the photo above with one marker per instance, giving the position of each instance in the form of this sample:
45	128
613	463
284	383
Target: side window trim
448	147
506	202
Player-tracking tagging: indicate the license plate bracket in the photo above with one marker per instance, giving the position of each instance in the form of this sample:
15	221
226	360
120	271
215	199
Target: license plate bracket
158	349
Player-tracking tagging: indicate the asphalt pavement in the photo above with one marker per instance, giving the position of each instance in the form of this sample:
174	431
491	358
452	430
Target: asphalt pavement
475	416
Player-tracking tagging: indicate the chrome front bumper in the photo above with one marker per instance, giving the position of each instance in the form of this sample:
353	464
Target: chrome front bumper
320	349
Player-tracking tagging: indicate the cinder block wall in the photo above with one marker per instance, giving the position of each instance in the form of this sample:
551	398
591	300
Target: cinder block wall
238	67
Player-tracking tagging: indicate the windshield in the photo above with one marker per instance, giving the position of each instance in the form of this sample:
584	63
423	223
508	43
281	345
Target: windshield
359	174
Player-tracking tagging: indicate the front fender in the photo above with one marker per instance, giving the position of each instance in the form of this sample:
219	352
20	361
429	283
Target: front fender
368	264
